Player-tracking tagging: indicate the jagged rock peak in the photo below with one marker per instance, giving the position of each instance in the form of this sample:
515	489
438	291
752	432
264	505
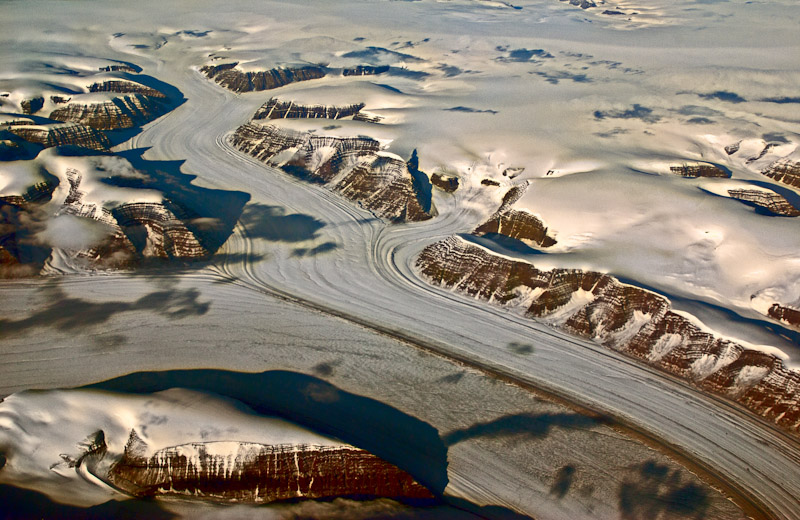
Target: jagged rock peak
236	80
276	109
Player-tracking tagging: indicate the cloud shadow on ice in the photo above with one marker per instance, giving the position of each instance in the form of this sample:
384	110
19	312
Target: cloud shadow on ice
651	490
635	112
271	223
535	426
69	314
211	213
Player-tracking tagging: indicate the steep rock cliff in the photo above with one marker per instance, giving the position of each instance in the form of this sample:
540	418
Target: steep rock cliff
770	201
623	317
699	170
125	87
276	109
63	134
226	75
785	171
520	225
352	166
250	472
126	111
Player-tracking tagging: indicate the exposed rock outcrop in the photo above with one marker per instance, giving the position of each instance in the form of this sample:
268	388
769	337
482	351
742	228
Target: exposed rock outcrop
445	183
276	109
125	87
625	318
33	105
583	4
226	75
353	166
157	232
785	314
364	70
699	170
770	201
249	472
520	225
126	111
63	134
785	171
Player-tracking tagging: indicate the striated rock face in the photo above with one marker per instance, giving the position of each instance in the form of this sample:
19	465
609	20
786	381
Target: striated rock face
229	77
517	224
785	171
126	111
66	134
444	182
699	170
157	232
625	318
520	225
785	314
353	166
772	202
249	472
364	70
125	87
275	109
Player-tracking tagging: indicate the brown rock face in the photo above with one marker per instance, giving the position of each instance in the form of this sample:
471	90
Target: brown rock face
785	314
125	87
698	170
125	111
520	225
364	70
275	109
351	166
625	318
157	231
227	76
772	202
33	105
444	182
248	472
57	135
785	171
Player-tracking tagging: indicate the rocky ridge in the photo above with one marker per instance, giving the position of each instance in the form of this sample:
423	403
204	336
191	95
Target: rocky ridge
126	111
785	171
698	170
785	315
622	317
276	109
250	472
517	224
231	78
63	134
355	167
770	201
